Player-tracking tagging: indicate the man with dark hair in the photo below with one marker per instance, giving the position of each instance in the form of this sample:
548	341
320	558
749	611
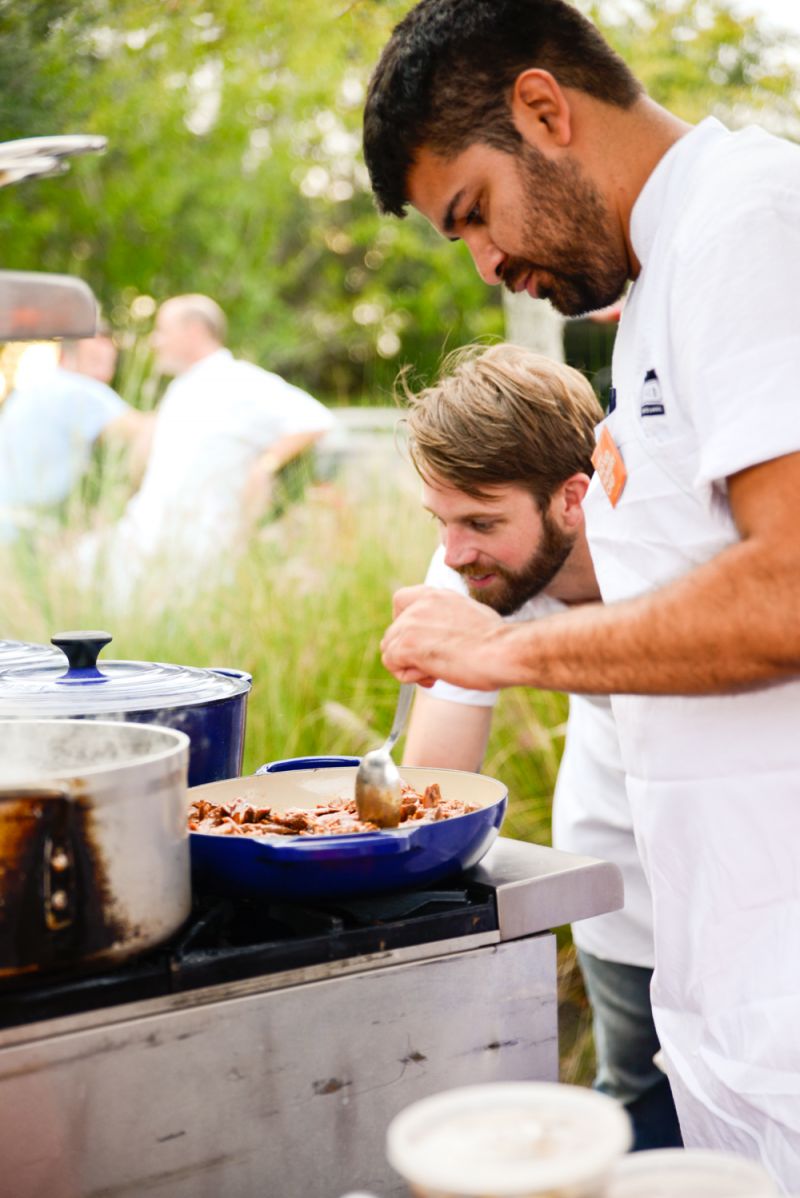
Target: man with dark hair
444	80
691	515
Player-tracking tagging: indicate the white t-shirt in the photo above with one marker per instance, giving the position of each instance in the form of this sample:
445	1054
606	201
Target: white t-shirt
590	807
46	435
213	423
706	372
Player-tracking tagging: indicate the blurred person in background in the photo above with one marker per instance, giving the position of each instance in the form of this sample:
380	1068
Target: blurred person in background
49	427
223	430
503	445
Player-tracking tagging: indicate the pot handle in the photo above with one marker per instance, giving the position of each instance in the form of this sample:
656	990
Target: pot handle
53	858
359	844
305	763
241	675
81	650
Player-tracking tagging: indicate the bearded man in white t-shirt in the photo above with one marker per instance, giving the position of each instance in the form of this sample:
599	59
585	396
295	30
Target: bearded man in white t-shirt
502	443
515	127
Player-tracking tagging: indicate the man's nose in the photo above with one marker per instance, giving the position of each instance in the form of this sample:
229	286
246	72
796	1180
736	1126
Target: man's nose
488	259
457	549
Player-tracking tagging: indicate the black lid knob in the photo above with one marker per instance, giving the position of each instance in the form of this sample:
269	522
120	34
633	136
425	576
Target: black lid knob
82	649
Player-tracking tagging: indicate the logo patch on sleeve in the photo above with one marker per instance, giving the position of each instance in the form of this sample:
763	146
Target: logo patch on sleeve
607	461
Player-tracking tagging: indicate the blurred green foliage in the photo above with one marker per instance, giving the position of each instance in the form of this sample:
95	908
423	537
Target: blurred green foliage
234	167
698	59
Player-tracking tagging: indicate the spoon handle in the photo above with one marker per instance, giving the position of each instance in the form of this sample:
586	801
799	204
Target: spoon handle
401	714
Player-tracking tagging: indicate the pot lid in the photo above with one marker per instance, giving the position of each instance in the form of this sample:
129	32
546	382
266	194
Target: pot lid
23	653
29	156
76	684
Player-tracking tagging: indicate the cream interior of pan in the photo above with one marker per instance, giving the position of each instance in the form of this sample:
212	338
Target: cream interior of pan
309	787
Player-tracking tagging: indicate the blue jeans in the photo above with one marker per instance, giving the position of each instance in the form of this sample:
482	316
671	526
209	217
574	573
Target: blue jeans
625	1043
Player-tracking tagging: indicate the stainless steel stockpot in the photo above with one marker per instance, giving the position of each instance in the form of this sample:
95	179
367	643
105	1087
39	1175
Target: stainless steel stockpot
94	850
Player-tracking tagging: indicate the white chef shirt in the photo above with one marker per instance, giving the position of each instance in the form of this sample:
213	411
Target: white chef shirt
213	423
591	815
713	315
706	372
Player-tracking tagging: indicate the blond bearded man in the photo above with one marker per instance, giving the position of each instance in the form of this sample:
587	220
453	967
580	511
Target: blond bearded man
502	443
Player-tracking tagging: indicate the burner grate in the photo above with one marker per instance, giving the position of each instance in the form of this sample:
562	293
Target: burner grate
225	940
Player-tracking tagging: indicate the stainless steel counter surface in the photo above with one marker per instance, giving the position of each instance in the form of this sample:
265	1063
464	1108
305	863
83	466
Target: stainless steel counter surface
539	888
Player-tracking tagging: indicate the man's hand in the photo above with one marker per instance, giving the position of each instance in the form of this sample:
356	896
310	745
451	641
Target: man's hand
438	634
260	481
133	430
257	490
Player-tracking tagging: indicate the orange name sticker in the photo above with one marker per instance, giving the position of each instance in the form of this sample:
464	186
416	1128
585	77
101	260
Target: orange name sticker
607	461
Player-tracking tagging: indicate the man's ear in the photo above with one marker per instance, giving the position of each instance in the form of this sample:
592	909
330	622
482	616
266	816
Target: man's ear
567	500
540	110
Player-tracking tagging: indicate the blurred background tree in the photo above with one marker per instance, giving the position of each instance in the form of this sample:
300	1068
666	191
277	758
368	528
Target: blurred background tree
234	167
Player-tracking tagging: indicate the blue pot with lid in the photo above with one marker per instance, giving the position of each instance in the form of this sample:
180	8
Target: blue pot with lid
209	705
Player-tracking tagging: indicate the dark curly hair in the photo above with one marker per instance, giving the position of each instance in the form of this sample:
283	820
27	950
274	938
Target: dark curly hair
446	76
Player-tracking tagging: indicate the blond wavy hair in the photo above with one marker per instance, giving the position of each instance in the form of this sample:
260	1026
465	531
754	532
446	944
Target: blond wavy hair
502	415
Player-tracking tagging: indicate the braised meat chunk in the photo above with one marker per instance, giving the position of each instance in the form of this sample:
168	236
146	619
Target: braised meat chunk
337	816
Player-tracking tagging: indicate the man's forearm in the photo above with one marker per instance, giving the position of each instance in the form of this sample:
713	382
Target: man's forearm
291	446
722	627
728	624
447	734
725	625
258	487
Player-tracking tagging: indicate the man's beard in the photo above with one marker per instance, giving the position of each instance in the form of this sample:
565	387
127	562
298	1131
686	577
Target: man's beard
512	588
576	265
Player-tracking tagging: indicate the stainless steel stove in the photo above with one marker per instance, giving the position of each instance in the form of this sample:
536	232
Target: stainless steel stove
263	1052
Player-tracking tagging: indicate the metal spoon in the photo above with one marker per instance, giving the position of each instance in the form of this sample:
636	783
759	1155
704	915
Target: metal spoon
377	779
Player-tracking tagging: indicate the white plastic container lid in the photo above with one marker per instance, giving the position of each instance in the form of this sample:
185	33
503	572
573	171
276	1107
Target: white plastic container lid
509	1140
689	1173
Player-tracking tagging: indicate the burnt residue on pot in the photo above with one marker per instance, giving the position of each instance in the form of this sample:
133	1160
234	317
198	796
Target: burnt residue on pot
57	907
